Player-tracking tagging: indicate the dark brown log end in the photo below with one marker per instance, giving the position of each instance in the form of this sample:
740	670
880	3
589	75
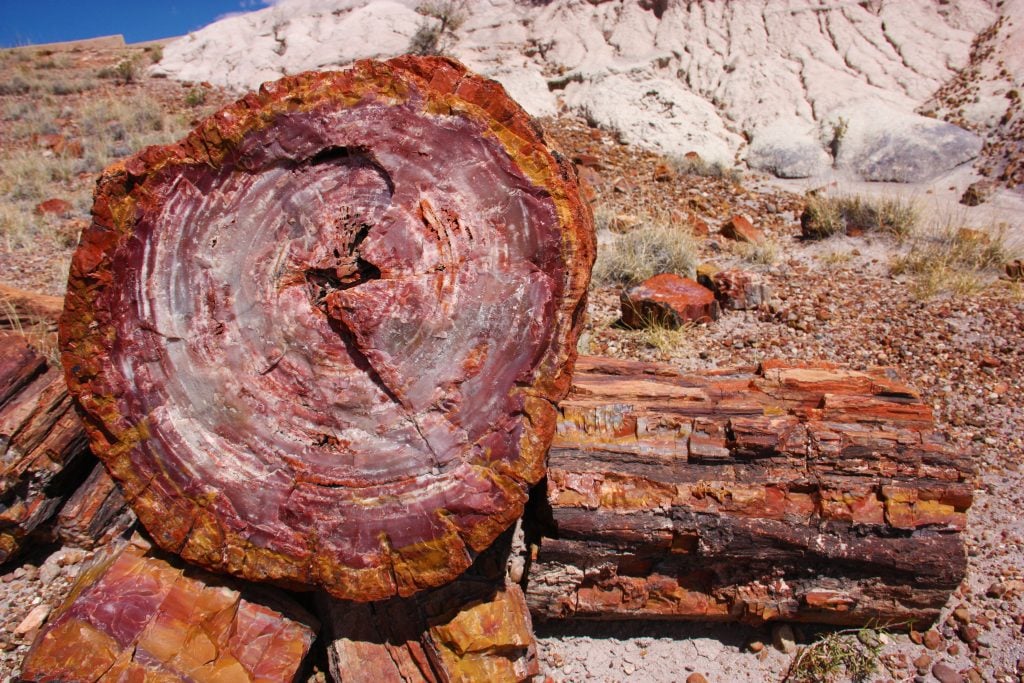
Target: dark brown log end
318	341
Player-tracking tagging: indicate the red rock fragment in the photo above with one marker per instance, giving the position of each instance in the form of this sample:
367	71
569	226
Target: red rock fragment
54	207
740	229
134	617
739	290
669	300
663	173
319	341
1015	270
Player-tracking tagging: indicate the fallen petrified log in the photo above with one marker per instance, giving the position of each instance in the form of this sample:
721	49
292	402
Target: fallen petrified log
134	617
43	449
319	341
797	492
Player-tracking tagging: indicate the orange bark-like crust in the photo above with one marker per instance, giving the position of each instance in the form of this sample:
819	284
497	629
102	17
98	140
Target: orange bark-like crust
359	537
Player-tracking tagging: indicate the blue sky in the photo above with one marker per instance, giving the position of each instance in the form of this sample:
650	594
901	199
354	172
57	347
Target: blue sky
24	22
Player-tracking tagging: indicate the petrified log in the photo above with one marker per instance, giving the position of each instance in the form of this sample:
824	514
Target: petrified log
43	450
797	492
20	308
95	514
134	617
318	342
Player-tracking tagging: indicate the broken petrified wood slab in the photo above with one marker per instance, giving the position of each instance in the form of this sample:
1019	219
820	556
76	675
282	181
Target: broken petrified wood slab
44	455
135	617
470	630
95	514
796	492
20	308
319	341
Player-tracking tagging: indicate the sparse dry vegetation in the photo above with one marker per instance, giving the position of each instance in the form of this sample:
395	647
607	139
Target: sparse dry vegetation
652	248
695	165
852	654
825	216
435	34
946	256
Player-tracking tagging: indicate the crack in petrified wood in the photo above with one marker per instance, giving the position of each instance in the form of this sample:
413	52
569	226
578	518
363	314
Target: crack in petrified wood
318	341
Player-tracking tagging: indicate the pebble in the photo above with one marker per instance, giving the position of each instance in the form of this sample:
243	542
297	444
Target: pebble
783	638
946	674
33	620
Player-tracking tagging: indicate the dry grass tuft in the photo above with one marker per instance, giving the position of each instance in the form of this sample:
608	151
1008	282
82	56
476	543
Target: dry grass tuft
825	216
850	654
653	248
949	257
695	165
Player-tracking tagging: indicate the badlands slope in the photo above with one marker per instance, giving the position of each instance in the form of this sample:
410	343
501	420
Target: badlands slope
780	84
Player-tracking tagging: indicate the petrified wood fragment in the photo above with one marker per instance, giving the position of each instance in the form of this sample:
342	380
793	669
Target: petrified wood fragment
20	308
44	454
95	514
796	492
667	299
319	340
470	630
134	617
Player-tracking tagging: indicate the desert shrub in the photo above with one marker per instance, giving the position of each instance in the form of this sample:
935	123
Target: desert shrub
824	216
649	250
839	128
435	34
852	655
695	165
195	97
949	257
764	253
15	85
155	53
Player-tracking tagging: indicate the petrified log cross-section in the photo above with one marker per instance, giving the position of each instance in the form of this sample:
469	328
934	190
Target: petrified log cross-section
790	491
318	341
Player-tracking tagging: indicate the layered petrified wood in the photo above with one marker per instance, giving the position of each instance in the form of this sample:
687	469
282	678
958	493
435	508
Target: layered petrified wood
44	454
95	514
20	309
789	491
319	340
477	628
470	630
132	617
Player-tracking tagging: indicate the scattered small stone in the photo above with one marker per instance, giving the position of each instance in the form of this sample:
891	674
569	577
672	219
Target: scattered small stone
922	663
33	620
740	229
932	639
756	646
669	300
946	674
783	638
696	678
